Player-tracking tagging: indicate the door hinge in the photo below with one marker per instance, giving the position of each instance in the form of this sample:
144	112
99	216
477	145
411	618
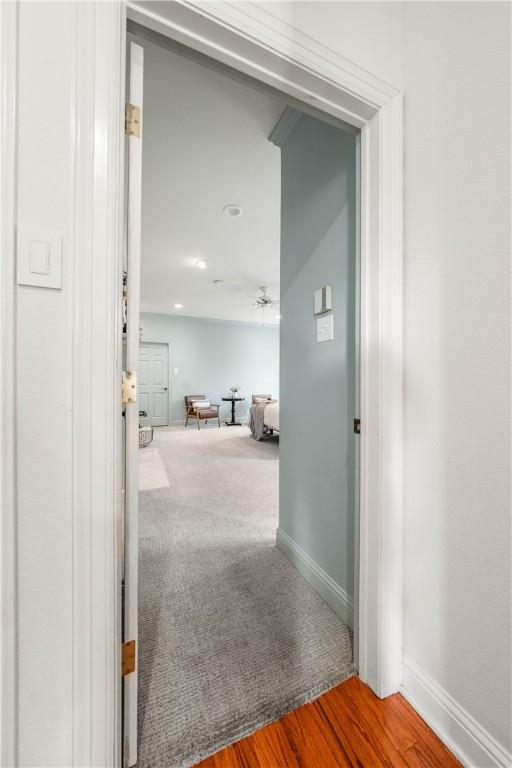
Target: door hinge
128	657
132	120
129	387
357	426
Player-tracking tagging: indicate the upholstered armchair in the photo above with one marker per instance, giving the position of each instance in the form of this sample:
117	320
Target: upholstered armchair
200	408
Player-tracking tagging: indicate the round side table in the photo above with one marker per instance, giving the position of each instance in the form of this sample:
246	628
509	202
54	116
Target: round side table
233	400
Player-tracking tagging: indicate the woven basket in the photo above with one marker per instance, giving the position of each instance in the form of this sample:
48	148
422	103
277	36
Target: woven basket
145	436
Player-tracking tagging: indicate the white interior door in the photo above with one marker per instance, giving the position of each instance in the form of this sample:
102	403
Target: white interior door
153	384
131	550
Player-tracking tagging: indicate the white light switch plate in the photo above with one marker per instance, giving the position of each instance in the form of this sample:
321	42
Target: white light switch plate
39	257
325	328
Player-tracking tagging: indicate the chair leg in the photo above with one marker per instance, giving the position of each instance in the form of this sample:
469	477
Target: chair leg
186	420
218	419
198	423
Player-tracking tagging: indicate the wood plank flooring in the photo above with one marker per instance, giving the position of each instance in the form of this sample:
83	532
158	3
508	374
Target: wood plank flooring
348	726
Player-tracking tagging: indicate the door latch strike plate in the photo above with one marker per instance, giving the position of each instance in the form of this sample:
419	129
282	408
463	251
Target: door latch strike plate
128	657
129	387
357	426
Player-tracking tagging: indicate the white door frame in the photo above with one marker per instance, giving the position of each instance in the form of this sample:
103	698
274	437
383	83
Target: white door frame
306	70
8	479
247	38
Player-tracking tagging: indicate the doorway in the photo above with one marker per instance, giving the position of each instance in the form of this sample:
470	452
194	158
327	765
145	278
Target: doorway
272	594
153	383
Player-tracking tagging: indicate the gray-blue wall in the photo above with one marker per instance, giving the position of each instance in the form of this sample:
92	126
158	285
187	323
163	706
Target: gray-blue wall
213	355
318	248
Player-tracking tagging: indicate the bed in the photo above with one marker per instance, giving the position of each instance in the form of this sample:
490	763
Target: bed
271	415
264	418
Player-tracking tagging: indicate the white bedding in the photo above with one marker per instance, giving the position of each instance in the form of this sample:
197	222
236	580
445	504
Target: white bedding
271	417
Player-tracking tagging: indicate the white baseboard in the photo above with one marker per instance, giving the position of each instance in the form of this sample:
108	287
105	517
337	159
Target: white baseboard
339	600
469	741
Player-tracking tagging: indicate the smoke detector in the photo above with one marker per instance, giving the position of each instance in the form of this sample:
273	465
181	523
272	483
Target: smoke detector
233	210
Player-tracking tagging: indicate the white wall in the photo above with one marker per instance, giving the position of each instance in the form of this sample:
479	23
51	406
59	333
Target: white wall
457	354
453	62
45	147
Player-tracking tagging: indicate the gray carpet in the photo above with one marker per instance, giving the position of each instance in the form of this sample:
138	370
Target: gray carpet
231	635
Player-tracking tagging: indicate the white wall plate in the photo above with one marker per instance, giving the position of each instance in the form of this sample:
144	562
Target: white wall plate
325	328
39	257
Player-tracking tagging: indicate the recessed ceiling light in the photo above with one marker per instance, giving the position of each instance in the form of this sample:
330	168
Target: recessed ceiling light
278	317
233	210
178	306
201	264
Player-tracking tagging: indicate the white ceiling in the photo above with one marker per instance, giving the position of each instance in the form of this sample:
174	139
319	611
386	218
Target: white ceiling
205	145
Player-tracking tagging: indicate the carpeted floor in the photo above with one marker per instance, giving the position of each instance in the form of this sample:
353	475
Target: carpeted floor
231	636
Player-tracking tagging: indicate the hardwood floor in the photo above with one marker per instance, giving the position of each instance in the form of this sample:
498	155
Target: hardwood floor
348	726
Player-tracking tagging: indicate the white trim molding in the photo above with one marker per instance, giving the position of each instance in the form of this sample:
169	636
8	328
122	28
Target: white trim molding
333	594
8	548
381	397
469	741
248	38
97	213
96	99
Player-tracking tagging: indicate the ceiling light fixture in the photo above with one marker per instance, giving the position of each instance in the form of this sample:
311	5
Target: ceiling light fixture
178	306
201	264
278	317
233	210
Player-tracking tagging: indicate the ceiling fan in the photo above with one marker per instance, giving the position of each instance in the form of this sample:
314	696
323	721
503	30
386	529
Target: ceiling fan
263	302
